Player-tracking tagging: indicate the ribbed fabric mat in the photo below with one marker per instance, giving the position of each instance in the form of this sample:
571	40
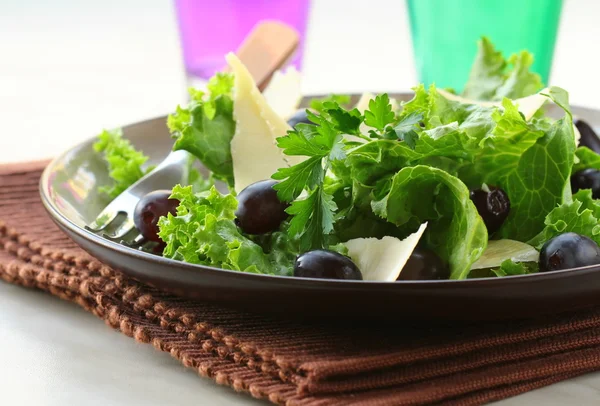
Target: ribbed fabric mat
284	361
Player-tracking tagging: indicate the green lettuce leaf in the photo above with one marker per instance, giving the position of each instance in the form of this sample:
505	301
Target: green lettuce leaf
586	158
125	163
317	104
434	110
281	249
203	232
206	126
487	72
406	129
442	111
532	165
581	216
455	230
510	268
491	79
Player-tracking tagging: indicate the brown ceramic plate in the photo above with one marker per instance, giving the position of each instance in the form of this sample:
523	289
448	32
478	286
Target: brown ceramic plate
69	192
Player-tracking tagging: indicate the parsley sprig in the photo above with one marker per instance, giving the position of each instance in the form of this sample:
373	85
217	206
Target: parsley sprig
381	117
322	143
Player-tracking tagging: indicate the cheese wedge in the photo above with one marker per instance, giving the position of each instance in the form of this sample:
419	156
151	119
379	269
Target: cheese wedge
383	259
254	151
283	93
498	251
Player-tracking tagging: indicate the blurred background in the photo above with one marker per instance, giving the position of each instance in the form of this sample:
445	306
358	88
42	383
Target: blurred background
69	68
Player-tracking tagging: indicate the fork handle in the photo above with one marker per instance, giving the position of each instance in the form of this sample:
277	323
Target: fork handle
175	168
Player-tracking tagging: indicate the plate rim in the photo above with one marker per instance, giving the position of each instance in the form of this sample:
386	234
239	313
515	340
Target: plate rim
65	222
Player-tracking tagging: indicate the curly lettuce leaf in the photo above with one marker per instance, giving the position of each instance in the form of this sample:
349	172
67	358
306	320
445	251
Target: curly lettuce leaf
455	230
581	216
206	126
491	79
203	232
125	163
198	182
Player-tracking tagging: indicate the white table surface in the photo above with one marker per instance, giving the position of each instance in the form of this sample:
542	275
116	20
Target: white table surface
69	68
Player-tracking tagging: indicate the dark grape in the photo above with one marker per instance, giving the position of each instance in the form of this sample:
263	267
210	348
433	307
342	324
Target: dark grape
150	209
589	138
299	117
424	264
493	207
586	179
259	209
568	250
325	265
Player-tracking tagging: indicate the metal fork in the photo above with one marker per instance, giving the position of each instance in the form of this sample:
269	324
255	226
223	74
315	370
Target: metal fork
172	170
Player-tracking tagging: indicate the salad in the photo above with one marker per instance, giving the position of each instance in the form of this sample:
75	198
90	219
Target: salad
485	183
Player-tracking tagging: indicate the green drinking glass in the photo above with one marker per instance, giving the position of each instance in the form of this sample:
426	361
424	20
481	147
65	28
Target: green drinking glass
445	35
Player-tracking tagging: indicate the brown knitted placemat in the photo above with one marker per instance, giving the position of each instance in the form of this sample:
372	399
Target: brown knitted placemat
284	361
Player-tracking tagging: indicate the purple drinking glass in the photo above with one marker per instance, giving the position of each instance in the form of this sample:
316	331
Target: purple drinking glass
210	28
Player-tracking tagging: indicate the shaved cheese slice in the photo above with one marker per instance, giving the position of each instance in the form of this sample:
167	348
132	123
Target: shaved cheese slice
498	251
527	105
383	259
254	151
283	93
577	135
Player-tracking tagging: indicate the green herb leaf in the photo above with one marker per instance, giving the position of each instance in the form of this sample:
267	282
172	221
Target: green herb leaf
380	113
343	121
455	230
313	217
305	140
125	163
295	179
